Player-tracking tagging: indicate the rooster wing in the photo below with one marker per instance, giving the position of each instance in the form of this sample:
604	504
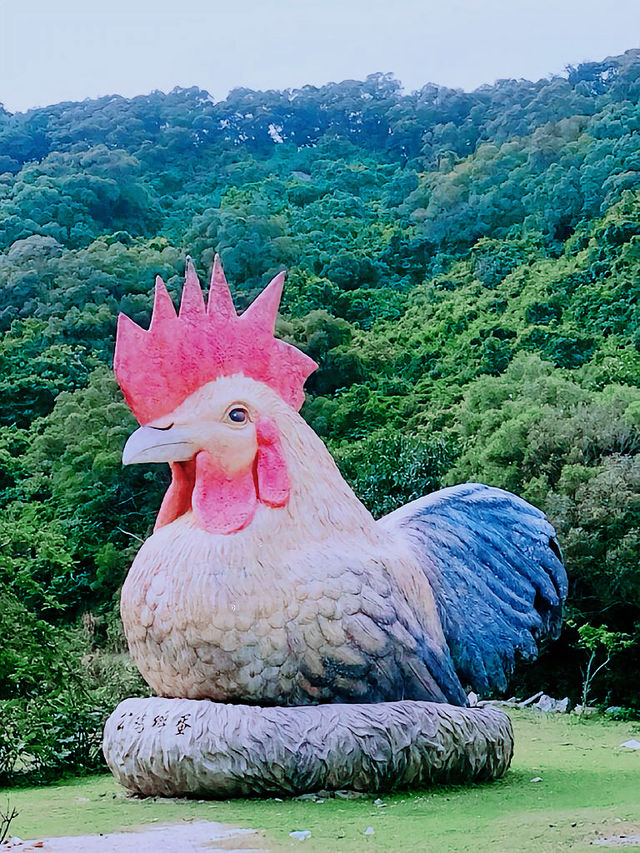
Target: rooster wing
496	572
364	642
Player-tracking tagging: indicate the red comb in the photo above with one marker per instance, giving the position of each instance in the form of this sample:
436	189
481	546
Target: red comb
159	368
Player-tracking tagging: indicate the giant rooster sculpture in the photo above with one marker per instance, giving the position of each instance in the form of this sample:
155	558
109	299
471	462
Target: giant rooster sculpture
266	581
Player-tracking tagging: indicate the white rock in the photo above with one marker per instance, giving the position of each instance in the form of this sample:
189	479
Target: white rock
531	699
473	700
300	834
537	779
631	744
369	830
549	705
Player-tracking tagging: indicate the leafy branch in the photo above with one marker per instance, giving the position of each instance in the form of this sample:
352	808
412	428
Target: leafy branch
601	646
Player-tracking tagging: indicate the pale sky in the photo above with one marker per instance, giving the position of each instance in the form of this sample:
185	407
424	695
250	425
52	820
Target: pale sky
55	50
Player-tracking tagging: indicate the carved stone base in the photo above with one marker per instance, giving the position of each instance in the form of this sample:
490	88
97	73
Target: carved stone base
178	747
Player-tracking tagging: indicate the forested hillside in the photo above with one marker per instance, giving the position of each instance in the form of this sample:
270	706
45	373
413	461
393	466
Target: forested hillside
465	267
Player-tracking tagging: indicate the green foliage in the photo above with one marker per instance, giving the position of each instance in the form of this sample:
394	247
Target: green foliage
75	476
389	469
35	561
595	639
28	654
463	266
601	645
574	452
58	692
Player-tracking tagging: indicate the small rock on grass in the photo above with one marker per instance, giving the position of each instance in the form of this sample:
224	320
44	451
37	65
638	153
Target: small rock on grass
631	744
300	834
588	711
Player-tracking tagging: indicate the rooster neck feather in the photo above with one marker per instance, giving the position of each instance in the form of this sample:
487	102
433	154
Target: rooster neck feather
321	505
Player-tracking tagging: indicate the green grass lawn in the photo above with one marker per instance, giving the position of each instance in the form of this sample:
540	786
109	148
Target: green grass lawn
589	787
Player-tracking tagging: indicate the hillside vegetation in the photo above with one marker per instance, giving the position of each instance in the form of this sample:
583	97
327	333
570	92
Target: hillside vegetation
463	266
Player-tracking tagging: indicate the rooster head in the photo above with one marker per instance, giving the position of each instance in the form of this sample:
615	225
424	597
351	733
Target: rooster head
206	384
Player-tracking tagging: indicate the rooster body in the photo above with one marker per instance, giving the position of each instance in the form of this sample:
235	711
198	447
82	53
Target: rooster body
266	580
311	602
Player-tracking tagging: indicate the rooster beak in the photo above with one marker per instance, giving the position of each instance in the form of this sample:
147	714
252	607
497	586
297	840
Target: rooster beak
151	444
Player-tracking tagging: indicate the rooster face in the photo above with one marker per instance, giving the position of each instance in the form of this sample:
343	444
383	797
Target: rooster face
225	454
209	386
212	419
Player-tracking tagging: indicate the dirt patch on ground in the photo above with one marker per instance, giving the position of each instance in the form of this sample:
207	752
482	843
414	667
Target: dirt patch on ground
196	837
626	836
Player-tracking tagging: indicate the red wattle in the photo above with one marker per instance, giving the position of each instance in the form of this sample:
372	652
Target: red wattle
222	502
177	500
272	476
225	502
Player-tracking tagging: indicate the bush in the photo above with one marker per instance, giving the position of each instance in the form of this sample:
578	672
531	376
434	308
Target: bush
575	453
51	720
389	469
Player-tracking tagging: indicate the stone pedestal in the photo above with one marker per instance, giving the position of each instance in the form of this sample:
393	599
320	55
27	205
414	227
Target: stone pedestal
181	747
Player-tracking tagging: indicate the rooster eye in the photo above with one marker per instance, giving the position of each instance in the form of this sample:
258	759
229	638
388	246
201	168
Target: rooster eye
238	416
